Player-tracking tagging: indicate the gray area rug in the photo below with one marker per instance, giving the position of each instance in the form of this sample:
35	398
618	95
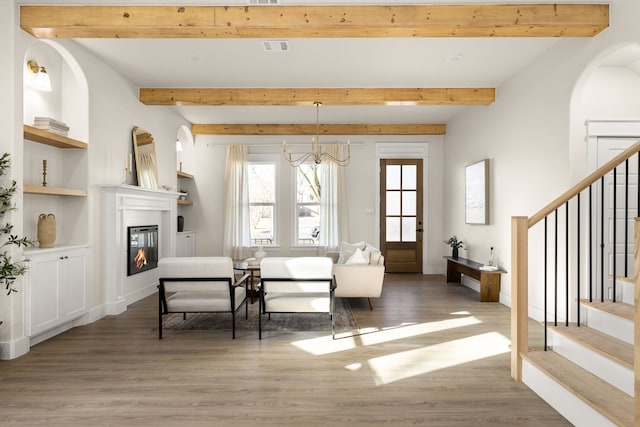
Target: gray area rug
344	320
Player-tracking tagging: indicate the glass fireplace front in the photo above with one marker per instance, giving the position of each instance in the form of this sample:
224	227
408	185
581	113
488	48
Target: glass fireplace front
142	254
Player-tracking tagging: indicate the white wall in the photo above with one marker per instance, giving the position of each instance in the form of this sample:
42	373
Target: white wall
535	145
612	93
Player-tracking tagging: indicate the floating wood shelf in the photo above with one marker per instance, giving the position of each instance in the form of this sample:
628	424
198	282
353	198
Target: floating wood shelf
184	175
185	202
53	191
48	138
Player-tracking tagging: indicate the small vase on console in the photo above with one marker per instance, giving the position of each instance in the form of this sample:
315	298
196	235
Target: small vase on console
454	253
260	253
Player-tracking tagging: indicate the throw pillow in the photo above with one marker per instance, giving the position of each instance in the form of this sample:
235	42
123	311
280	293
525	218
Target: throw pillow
358	258
348	249
373	254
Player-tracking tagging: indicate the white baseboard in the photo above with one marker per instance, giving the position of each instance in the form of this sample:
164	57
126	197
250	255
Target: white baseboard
141	293
14	349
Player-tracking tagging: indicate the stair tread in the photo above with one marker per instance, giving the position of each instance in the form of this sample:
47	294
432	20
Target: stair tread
600	395
616	308
608	346
626	279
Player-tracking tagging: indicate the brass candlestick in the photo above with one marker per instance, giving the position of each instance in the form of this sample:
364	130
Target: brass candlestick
44	173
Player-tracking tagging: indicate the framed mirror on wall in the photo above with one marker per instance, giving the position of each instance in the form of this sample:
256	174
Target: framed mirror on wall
146	165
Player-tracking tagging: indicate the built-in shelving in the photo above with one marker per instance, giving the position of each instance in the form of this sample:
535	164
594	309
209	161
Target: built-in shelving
44	137
184	175
53	191
48	138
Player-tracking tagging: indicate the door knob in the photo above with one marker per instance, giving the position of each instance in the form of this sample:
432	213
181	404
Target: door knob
419	230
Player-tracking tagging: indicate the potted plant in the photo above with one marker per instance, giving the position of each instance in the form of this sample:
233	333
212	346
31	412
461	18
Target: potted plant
9	270
455	245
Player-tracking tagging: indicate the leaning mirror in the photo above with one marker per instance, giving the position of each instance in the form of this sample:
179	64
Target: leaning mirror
145	153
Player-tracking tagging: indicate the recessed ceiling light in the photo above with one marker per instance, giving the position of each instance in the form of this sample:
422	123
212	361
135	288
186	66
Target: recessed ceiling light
455	58
263	2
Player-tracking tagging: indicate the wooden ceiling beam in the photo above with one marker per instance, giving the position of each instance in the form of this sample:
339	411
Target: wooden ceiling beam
308	96
324	129
457	20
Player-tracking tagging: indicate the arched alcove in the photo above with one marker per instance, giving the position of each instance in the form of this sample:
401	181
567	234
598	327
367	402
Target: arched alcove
66	169
608	89
68	100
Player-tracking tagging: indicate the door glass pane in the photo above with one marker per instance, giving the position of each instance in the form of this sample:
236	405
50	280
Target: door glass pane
409	177
393	177
393	203
409	229
409	203
393	229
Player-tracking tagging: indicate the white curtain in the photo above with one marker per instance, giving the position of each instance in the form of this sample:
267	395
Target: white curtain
334	226
237	238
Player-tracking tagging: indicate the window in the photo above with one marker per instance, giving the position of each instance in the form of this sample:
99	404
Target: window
307	209
262	202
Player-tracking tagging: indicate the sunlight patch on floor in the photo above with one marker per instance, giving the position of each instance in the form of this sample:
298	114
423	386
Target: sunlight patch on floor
371	336
368	337
407	364
326	345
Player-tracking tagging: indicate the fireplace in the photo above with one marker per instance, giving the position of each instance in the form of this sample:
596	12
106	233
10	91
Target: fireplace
142	253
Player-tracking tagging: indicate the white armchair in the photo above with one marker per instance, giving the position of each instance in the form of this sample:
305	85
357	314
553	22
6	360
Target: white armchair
200	285
296	285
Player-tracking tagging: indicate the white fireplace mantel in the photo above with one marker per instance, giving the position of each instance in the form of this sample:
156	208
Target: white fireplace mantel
125	206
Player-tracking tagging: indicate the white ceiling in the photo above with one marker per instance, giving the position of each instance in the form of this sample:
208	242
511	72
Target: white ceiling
318	63
366	62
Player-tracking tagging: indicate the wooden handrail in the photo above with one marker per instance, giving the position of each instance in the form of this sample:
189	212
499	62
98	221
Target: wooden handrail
595	176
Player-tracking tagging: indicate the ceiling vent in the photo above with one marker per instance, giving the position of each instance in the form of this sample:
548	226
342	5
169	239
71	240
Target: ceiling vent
263	2
275	45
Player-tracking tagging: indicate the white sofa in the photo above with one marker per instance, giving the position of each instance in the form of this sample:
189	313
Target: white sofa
359	272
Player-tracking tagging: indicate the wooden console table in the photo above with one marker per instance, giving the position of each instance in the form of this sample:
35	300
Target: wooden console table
489	280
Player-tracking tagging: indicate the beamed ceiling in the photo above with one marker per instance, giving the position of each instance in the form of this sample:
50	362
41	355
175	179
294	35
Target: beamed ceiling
377	69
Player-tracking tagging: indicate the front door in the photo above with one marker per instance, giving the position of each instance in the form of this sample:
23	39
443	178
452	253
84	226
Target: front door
401	224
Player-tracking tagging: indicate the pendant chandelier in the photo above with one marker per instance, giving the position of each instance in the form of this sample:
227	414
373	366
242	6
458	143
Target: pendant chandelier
316	154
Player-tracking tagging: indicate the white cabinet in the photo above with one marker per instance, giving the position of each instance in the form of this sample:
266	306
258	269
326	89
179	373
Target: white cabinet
186	243
56	282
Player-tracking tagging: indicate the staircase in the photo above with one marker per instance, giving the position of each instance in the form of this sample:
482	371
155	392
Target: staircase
585	369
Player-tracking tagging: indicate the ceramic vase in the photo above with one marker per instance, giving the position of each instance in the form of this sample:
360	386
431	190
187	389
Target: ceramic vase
46	230
260	253
454	253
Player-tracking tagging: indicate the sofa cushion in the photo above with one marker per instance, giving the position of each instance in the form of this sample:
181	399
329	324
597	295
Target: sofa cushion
358	258
348	249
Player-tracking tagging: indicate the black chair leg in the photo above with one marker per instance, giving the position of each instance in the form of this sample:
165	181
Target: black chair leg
260	319
233	324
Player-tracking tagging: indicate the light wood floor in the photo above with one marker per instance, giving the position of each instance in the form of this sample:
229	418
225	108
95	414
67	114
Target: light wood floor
439	358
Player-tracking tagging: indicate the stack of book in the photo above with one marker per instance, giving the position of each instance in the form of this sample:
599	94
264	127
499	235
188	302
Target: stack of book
51	125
